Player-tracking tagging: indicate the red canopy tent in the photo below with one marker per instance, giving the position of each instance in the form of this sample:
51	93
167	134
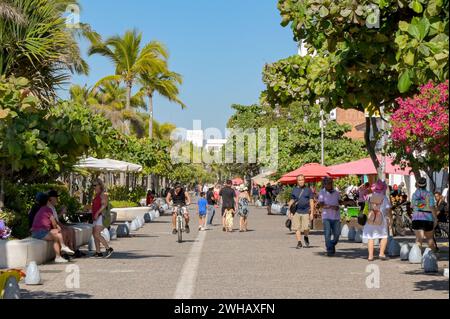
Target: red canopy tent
365	166
313	172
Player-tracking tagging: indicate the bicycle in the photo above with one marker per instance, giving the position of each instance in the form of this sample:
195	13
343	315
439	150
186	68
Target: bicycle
441	230
179	209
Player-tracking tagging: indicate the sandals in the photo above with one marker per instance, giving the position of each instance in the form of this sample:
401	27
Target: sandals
384	258
370	259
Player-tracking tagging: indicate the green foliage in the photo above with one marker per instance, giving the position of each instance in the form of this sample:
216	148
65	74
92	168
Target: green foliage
123	204
370	57
298	136
37	143
20	198
39	46
342	183
123	193
285	194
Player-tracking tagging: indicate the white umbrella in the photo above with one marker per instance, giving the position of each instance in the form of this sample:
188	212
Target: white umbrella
107	164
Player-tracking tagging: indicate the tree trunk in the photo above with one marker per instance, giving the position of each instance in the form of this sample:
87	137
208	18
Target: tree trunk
150	113
128	106
370	145
2	186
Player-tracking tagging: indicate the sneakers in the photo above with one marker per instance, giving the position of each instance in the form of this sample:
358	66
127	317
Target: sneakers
187	230
299	245
67	250
200	228
109	252
174	231
224	229
98	255
60	260
306	242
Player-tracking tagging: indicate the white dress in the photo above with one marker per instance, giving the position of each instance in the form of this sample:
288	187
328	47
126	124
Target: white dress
378	232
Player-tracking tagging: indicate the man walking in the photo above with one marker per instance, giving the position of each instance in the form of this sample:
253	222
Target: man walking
303	199
269	198
329	201
228	200
210	207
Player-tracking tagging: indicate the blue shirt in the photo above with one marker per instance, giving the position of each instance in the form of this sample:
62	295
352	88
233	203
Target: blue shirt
202	202
303	196
423	203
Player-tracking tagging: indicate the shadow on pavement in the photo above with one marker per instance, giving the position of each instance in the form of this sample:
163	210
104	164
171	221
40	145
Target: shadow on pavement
25	294
160	222
347	253
439	285
130	255
143	236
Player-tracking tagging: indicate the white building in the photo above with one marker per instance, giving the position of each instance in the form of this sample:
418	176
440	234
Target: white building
195	136
215	144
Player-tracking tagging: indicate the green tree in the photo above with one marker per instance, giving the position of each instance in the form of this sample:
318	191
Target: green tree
165	83
35	44
360	64
130	58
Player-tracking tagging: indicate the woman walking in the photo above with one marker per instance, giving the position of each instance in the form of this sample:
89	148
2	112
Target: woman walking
243	210
99	206
424	219
377	221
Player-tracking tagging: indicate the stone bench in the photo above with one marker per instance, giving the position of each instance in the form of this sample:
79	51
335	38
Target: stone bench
18	253
129	214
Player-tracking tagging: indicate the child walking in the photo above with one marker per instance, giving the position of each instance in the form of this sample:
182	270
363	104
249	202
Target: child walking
202	203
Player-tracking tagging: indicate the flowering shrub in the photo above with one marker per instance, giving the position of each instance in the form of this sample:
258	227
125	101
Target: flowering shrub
419	130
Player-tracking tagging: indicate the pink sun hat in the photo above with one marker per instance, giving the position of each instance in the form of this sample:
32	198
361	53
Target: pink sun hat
379	187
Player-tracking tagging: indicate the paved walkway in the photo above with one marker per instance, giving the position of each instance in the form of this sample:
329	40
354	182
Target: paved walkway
262	263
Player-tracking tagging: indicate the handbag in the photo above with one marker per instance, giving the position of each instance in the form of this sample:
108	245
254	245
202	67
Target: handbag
362	217
293	208
288	224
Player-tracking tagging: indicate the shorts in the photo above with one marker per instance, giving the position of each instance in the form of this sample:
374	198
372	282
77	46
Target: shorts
300	222
424	225
40	234
202	214
183	209
225	208
99	221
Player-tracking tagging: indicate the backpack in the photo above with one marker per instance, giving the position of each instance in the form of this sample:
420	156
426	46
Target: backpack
107	216
375	216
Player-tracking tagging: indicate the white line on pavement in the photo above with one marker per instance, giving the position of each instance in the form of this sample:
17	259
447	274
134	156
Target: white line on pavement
186	282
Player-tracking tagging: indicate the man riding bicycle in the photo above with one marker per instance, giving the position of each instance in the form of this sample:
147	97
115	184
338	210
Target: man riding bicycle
180	199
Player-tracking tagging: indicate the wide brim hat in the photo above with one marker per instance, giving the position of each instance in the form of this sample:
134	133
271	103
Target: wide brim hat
422	182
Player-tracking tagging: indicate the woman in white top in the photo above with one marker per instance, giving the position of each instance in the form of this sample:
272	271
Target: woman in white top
379	216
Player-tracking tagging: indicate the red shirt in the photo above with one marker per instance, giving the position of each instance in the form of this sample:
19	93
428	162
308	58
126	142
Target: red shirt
150	199
42	220
96	205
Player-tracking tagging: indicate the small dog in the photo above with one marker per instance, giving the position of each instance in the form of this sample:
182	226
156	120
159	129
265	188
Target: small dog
229	218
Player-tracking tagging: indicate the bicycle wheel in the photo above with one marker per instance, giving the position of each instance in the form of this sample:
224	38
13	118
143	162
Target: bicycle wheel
180	230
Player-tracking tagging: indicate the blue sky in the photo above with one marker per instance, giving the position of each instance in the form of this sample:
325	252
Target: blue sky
219	46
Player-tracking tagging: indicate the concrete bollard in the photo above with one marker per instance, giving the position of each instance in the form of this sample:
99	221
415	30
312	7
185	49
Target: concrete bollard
113	233
147	218
123	230
430	264
427	250
415	255
352	234
393	248
344	231
91	244
446	272
133	225
404	251
33	277
358	236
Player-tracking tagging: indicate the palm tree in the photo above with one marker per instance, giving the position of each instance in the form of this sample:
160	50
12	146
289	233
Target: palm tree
35	44
10	12
109	99
165	83
130	59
